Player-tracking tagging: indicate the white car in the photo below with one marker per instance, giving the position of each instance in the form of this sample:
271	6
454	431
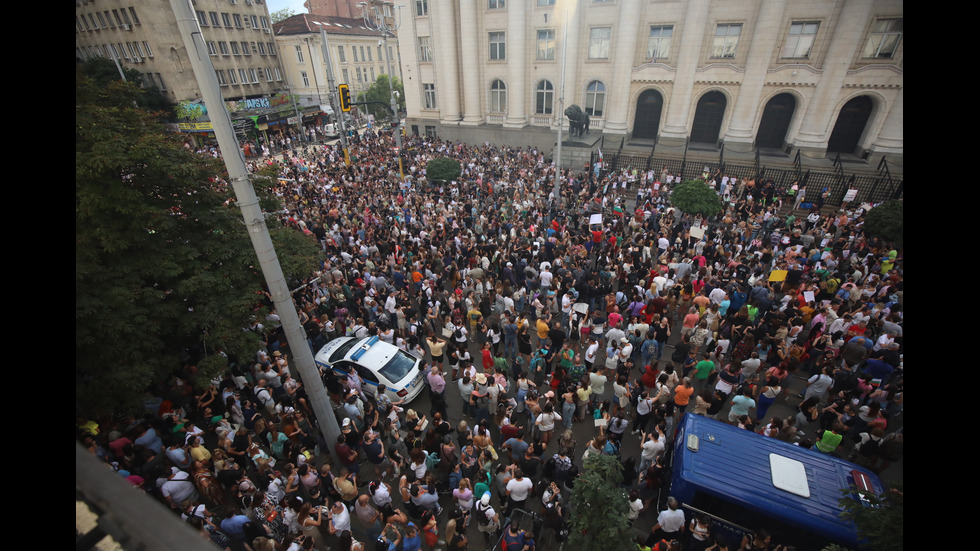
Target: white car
376	362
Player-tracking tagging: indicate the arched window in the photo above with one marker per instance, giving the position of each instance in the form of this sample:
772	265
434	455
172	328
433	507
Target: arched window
544	97
595	98
498	96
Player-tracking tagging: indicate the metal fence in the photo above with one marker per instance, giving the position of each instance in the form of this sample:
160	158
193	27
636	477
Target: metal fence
871	188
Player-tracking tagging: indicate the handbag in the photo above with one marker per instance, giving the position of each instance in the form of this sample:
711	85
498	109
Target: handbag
493	452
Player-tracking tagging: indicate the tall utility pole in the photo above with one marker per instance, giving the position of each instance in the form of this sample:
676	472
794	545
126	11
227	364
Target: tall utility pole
334	101
255	219
561	112
380	24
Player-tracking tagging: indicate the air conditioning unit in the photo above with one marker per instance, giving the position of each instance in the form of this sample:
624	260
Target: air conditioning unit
137	59
126	27
267	30
248	2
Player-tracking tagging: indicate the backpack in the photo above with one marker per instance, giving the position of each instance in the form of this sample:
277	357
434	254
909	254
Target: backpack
870	448
483	518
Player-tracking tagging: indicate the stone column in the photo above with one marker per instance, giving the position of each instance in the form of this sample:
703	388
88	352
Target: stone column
472	115
447	62
818	121
516	52
624	53
768	25
891	139
689	53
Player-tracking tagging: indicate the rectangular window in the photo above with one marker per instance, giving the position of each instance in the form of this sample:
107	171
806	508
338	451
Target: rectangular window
546	44
261	48
278	74
212	49
369	54
372	75
271	47
498	46
380	54
599	39
221	77
163	85
125	16
546	2
343	56
132	51
421	7
265	22
354	49
659	45
255	21
430	131
362	54
800	40
102	22
234	49
359	79
391	54
268	74
299	54
108	18
495	5
244	75
429	96
231	77
91	20
123	51
136	20
146	46
726	40
346	77
226	19
425	49
255	77
238	21
115	14
139	50
215	21
202	18
884	39
223	47
306	79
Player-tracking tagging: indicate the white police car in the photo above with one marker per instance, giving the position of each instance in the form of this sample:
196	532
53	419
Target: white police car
376	362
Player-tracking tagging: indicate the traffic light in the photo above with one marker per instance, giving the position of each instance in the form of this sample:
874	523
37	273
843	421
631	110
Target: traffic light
344	97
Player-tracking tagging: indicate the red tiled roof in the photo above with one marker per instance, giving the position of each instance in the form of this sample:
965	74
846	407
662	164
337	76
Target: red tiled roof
306	23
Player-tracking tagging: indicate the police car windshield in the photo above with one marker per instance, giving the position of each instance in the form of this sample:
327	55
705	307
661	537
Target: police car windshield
343	349
399	367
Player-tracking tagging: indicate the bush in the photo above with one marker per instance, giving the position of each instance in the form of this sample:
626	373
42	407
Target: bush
695	197
886	221
442	169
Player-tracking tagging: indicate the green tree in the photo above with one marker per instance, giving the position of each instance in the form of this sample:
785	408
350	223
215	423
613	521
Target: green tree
600	507
163	265
103	71
281	15
886	221
880	519
442	169
695	197
380	91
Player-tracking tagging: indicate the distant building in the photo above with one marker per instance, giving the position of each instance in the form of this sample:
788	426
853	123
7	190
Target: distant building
822	76
238	35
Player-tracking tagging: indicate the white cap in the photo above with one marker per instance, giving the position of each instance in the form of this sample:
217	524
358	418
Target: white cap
485	499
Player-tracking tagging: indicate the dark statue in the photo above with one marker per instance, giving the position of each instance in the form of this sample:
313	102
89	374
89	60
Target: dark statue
578	121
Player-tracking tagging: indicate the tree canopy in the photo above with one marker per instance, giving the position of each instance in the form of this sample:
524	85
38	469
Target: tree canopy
379	91
879	518
164	268
442	169
281	15
599	520
886	221
695	197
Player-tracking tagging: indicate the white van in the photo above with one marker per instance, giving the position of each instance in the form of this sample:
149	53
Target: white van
376	362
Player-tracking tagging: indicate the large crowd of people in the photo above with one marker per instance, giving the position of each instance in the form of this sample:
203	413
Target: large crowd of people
529	317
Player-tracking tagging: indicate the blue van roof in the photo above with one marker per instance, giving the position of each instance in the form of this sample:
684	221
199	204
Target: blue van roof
735	465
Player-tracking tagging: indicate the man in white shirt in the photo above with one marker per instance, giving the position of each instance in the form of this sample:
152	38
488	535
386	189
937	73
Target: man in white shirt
590	353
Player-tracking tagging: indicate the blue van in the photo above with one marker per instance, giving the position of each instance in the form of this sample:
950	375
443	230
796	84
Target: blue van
744	481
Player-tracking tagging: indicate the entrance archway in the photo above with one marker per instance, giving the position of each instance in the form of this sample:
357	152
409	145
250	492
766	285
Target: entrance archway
775	121
649	107
851	120
708	117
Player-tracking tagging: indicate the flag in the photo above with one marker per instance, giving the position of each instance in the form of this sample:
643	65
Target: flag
600	154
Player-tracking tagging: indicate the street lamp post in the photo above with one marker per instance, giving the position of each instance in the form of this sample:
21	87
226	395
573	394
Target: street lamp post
380	23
